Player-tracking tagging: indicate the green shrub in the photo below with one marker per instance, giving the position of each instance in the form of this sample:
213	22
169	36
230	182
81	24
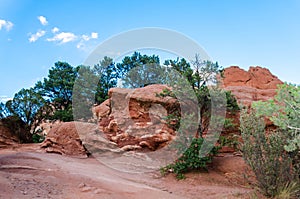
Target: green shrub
232	104
37	138
230	141
190	160
284	112
266	156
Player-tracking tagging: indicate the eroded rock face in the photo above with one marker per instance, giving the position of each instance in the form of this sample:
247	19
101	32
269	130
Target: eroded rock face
77	139
103	110
135	118
63	138
253	85
248	86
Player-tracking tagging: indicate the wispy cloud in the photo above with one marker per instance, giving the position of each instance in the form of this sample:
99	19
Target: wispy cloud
85	38
34	37
43	20
6	24
63	37
55	30
94	35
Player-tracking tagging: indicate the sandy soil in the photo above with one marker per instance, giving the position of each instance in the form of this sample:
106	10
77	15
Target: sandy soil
27	172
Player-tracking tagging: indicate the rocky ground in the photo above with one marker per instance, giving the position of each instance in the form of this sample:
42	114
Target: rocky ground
26	171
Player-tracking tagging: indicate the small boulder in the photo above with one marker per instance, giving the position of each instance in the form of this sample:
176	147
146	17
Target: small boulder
64	139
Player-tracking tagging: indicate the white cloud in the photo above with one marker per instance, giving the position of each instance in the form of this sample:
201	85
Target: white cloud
63	37
36	36
6	24
94	35
43	20
84	38
55	30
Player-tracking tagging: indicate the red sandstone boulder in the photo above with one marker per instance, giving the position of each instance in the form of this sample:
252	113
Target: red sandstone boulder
135	117
64	139
73	138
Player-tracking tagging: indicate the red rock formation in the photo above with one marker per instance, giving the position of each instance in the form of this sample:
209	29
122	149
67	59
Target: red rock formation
135	117
248	86
64	139
253	85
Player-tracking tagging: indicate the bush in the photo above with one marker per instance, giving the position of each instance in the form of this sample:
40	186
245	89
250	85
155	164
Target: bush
266	156
230	141
37	138
18	128
284	112
190	160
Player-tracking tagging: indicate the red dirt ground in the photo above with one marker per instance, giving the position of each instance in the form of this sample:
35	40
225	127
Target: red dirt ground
27	172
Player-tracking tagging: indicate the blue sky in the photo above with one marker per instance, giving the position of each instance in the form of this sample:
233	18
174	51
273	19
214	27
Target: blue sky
35	34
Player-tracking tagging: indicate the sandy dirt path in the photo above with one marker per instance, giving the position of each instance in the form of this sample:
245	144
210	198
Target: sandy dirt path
26	172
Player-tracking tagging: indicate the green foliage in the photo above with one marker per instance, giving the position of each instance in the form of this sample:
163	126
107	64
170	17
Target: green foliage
84	94
143	75
182	67
4	112
284	112
18	128
232	104
228	124
173	120
27	105
265	155
58	88
205	72
140	70
165	93
198	77
190	160
63	115
108	74
230	141
289	191
37	138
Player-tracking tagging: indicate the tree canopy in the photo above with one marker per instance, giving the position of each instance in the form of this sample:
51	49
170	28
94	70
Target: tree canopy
57	88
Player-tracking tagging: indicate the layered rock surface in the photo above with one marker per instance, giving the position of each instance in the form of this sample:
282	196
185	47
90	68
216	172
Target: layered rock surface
253	85
64	139
73	138
135	118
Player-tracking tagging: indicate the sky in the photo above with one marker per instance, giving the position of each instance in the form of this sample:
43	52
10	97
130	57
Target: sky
35	34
